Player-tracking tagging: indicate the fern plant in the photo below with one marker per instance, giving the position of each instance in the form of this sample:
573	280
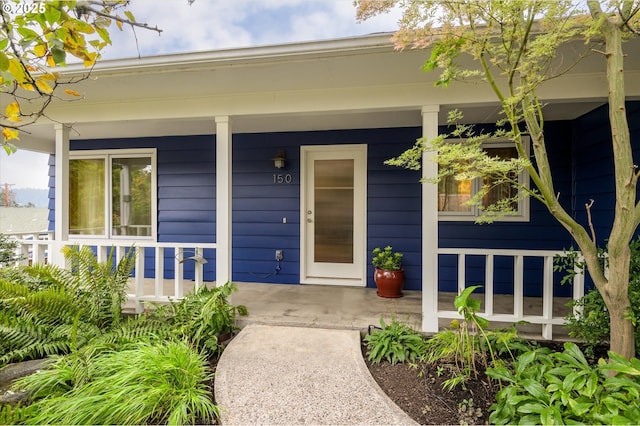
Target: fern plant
57	310
202	316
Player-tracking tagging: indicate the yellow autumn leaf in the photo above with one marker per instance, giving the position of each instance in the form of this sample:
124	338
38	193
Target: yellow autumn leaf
90	59
50	76
17	70
27	86
43	86
40	50
9	134
12	112
71	92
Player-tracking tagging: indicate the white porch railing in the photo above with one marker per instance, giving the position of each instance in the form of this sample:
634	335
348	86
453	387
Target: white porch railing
546	318
144	289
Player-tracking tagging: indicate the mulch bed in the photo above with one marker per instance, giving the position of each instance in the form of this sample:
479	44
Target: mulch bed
417	389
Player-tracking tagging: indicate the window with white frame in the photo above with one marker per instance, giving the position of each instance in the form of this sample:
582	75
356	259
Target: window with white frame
112	193
453	194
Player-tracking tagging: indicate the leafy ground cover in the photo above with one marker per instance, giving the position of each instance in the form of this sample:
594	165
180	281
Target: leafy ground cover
106	367
469	374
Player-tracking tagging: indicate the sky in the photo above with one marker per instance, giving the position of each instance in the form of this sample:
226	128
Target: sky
211	25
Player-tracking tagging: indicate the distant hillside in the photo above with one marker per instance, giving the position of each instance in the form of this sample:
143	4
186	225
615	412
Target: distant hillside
38	197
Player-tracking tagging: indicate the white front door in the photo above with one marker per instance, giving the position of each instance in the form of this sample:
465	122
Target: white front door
333	214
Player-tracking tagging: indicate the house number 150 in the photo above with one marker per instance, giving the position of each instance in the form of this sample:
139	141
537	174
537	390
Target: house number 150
282	178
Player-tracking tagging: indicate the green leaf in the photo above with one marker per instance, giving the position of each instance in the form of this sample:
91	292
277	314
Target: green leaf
531	408
59	55
500	373
4	62
27	34
580	408
535	389
52	14
461	300
523	361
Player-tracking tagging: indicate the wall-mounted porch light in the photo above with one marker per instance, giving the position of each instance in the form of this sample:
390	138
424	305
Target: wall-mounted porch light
280	159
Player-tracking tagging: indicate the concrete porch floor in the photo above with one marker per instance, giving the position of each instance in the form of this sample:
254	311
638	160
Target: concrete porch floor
323	306
339	307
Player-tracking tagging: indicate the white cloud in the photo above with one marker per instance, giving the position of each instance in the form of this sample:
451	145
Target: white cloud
24	169
221	24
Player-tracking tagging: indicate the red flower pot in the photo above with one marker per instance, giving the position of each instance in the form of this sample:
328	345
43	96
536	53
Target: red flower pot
389	283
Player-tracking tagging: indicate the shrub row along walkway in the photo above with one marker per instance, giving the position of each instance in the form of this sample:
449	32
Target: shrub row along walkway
296	375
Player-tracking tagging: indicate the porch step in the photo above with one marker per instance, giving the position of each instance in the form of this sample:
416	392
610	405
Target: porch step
298	375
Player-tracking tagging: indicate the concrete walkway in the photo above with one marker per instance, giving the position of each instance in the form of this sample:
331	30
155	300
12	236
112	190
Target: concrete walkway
297	375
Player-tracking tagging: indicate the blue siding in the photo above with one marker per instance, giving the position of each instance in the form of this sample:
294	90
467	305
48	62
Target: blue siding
186	204
594	166
260	204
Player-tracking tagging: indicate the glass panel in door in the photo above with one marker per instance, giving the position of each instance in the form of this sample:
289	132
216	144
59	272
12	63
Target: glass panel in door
333	196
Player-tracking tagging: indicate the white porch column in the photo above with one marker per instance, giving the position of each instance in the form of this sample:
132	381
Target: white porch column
223	200
429	224
61	234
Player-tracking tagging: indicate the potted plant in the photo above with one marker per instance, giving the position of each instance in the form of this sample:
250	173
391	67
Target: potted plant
388	274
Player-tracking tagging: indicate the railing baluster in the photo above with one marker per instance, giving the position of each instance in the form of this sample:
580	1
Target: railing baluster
198	269
547	297
178	273
159	280
488	285
461	273
139	279
518	286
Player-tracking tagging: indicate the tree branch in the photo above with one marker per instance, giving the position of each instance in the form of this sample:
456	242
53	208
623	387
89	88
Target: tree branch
593	232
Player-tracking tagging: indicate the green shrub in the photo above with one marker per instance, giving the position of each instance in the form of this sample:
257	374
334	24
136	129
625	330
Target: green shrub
591	323
8	251
544	387
159	383
469	346
202	316
394	342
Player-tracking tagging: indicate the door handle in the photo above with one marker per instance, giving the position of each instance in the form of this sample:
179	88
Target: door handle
309	220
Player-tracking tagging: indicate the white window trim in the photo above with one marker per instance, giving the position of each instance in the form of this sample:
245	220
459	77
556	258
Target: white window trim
108	155
523	214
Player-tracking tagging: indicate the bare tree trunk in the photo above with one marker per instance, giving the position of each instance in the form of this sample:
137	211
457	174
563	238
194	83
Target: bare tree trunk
616	297
615	292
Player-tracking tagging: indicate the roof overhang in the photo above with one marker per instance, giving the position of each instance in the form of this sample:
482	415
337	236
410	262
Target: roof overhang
358	82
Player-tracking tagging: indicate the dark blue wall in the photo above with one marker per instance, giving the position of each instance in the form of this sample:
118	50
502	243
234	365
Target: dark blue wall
260	203
594	166
186	204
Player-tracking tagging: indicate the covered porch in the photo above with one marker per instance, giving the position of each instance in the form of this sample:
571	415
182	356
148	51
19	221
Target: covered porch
123	106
